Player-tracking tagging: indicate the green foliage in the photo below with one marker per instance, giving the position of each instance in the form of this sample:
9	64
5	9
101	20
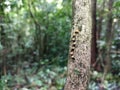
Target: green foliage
4	82
34	43
110	82
36	34
116	10
45	78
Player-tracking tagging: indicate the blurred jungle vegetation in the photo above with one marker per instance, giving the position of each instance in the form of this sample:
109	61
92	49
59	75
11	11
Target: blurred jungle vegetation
34	44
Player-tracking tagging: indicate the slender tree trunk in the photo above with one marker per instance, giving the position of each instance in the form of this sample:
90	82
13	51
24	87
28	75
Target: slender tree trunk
80	46
109	35
99	61
3	39
99	21
94	44
39	36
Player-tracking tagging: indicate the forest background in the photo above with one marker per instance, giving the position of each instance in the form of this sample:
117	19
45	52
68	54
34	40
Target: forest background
34	44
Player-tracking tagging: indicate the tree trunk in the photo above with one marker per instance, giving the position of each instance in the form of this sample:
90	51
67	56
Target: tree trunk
99	21
94	44
2	40
98	65
109	35
39	36
80	46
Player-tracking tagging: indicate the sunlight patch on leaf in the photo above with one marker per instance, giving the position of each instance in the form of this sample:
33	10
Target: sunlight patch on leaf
49	1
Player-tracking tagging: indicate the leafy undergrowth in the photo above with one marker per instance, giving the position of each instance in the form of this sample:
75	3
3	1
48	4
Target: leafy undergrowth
53	78
48	78
111	82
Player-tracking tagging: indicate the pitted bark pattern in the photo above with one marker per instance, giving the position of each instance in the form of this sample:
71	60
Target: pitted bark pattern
79	59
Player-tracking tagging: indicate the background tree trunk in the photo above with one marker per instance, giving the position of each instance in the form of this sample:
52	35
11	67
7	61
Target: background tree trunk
80	46
2	40
109	35
94	44
98	65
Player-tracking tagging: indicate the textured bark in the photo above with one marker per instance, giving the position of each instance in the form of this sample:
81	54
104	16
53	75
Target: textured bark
80	55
